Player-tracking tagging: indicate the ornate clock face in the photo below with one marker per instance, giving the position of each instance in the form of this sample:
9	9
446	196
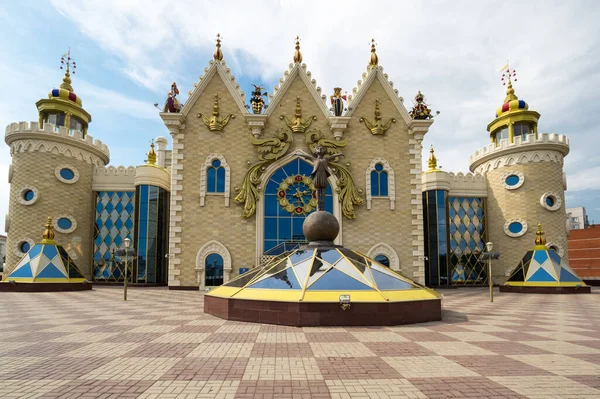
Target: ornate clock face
297	195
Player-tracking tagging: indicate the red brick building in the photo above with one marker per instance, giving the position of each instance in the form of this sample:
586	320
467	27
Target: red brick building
584	253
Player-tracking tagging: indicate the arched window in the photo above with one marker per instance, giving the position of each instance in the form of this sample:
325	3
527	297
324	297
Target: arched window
215	175
213	268
384	260
385	254
380	182
215	178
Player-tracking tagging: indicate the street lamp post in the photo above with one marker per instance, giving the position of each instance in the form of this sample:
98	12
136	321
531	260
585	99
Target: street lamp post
489	246
127	242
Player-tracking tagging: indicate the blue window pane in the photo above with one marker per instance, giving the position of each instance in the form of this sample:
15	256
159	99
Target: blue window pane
216	163
297	234
211	180
385	282
292	168
270	228
64	223
374	183
24	246
285	279
285	228
379	167
512	180
383	260
336	280
383	184
305	168
515	227
28	195
221	180
214	270
329	203
550	201
67	174
271	205
331	256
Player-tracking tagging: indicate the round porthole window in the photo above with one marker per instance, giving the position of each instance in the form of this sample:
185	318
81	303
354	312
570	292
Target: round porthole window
22	246
513	180
28	195
66	173
64	223
551	201
515	227
216	163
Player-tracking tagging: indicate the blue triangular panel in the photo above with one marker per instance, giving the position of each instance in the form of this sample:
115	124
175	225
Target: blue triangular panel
284	280
336	280
385	282
540	256
554	256
50	271
50	251
23	272
541	276
35	251
567	277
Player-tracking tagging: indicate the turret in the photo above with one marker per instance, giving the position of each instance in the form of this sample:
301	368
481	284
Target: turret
51	174
525	182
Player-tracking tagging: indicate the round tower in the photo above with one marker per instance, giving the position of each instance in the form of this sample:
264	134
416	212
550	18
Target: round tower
51	175
525	182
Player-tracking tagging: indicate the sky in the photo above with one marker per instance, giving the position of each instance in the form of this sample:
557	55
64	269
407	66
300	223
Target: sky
129	52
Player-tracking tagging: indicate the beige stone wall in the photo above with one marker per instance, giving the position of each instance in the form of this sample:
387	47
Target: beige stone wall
55	198
523	203
400	228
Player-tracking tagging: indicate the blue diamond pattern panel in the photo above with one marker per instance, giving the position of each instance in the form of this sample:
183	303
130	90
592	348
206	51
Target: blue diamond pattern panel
467	240
115	212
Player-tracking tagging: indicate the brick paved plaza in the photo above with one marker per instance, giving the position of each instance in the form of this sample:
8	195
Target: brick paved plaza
160	344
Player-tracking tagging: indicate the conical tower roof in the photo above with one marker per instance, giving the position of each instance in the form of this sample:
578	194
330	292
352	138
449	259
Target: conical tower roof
322	275
46	262
543	267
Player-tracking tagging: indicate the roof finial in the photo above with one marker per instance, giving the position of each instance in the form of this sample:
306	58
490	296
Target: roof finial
374	61
48	234
432	162
507	81
65	61
539	239
218	54
152	154
297	53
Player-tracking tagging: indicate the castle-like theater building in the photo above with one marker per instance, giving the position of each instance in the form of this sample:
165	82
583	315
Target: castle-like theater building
233	186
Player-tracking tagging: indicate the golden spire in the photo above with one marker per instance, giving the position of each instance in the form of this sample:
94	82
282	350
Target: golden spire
508	75
297	53
48	234
539	239
152	154
218	54
65	60
432	162
374	61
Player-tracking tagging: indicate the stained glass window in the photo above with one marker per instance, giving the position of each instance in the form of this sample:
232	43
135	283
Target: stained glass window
114	222
467	240
282	226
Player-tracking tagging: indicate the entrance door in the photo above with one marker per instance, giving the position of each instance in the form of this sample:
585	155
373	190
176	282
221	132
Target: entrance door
213	269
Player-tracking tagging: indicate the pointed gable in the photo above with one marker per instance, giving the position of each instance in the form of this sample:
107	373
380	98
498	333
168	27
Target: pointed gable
368	78
297	72
216	68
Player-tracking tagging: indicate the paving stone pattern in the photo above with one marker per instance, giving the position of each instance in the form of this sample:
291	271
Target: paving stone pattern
160	344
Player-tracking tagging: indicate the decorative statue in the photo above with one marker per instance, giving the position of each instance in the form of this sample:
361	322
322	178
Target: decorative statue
421	110
172	104
337	101
321	173
257	99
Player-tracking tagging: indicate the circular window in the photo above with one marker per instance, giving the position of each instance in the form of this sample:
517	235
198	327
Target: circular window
515	227
513	180
382	258
551	201
22	246
379	167
28	195
555	247
66	173
216	163
64	224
